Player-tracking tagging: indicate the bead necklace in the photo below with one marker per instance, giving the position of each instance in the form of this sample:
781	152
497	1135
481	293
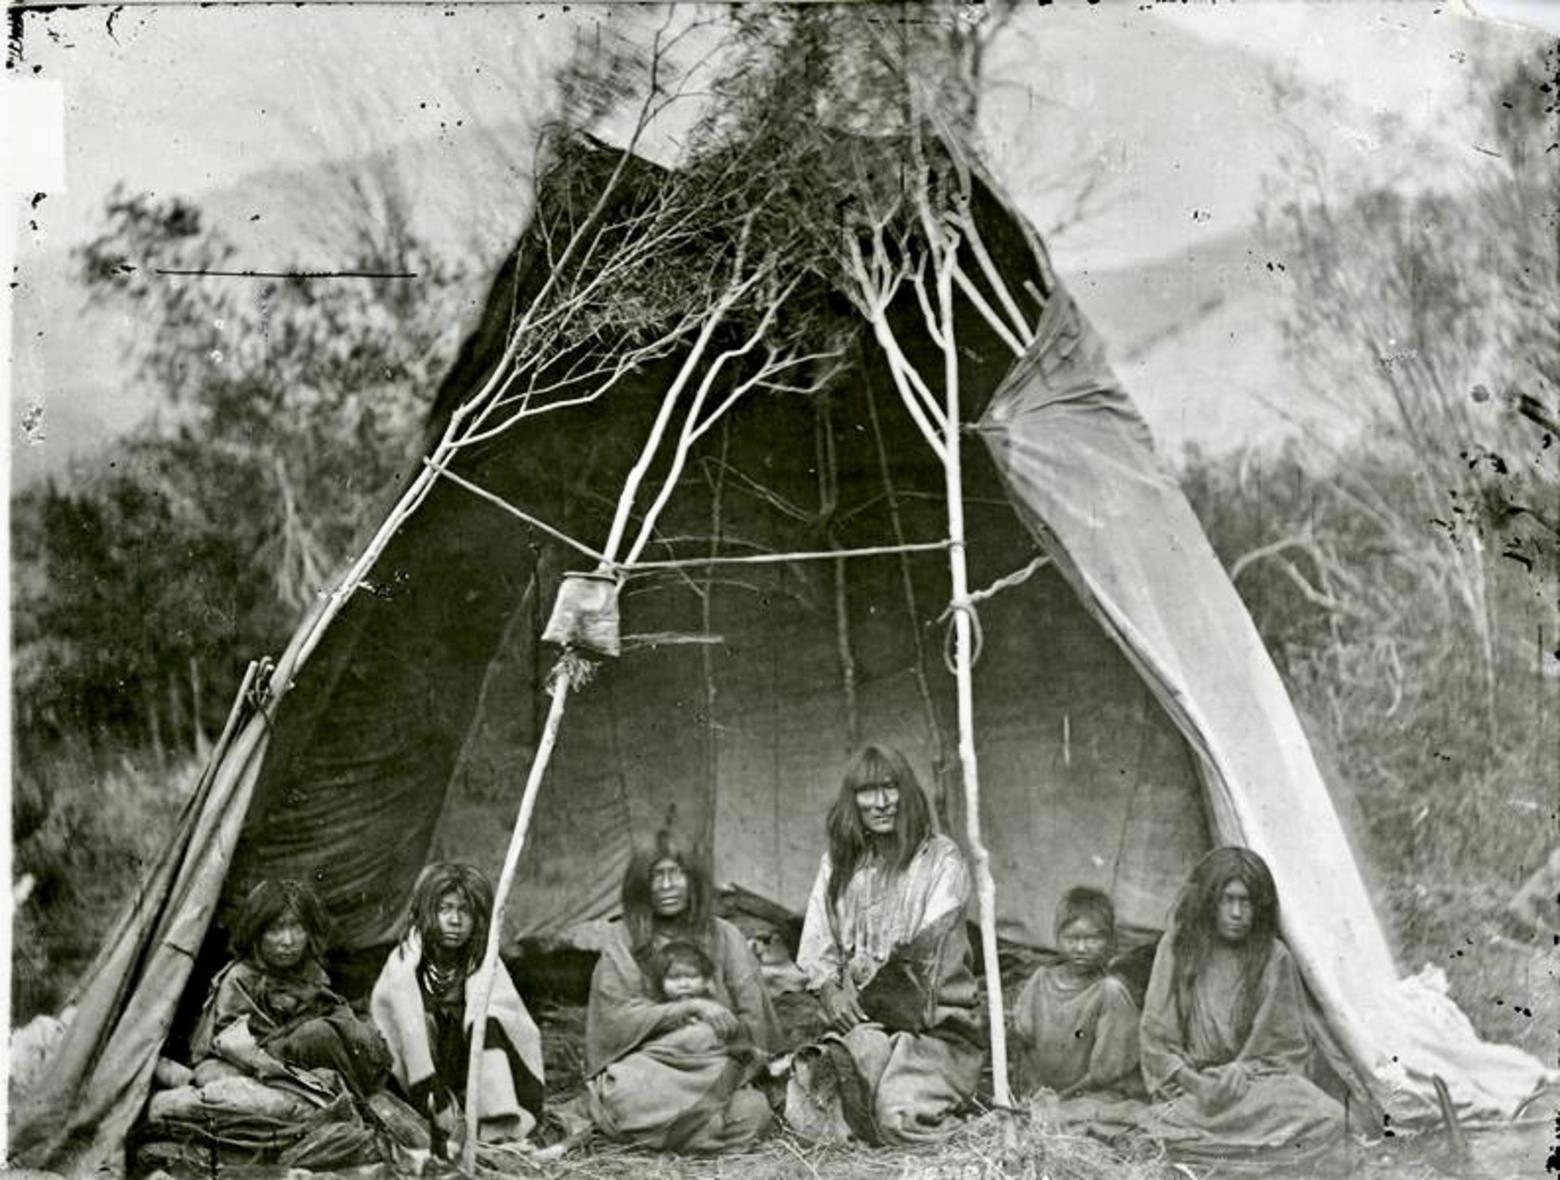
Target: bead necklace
441	979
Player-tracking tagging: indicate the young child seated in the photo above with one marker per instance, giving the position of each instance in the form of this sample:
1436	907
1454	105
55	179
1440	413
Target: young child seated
1076	1026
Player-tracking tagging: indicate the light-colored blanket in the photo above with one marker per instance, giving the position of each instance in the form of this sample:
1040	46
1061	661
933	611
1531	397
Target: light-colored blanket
397	1009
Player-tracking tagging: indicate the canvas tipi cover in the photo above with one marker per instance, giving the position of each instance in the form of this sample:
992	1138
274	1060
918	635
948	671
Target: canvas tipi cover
1127	714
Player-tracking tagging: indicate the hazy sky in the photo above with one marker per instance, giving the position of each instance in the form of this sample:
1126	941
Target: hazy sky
183	99
1173	106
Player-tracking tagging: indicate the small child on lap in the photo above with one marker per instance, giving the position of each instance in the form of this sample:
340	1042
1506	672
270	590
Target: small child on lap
1076	1025
684	972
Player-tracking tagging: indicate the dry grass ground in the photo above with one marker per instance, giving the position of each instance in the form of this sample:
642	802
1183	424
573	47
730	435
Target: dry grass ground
1023	1148
983	1149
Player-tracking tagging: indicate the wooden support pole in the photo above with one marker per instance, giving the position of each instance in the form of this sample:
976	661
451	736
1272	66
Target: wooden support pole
964	663
946	445
562	682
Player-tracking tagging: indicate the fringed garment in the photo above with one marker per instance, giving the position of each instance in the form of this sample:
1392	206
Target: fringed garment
899	939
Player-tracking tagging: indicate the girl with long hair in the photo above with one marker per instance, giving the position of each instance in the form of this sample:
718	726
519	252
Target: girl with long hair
272	1008
1223	1039
885	950
283	1068
424	1003
667	1073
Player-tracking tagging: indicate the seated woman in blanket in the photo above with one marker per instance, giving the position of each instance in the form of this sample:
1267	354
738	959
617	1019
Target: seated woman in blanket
424	1003
885	950
1077	1026
667	1064
1223	1037
271	1010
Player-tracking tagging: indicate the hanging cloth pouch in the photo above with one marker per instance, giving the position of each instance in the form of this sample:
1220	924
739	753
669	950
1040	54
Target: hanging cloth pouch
585	614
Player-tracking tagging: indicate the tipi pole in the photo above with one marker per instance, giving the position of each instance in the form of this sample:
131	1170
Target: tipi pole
562	682
963	670
563	679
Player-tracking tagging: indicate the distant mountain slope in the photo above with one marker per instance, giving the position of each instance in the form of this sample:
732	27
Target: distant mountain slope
1180	132
1177	131
1195	338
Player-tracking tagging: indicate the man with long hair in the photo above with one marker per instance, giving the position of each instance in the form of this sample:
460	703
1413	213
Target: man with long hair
885	950
1223	1040
653	1079
424	1003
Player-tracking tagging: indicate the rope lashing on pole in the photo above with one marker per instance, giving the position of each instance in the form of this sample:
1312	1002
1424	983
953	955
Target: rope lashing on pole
1008	581
584	618
943	243
965	606
968	603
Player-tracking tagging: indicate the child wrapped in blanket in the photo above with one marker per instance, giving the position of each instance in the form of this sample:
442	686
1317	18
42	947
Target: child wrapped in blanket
684	972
